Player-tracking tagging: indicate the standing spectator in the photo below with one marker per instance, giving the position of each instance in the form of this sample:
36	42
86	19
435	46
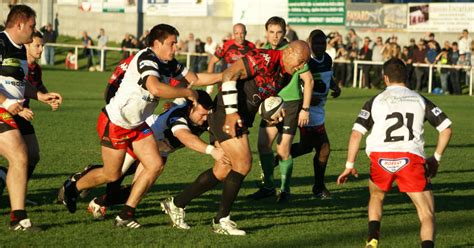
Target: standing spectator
430	58
142	40
444	72
191	45
291	34
352	37
88	52
407	59
365	53
201	60
102	40
352	51
210	48
126	43
49	36
377	57
419	55
331	46
464	44
340	68
454	72
431	37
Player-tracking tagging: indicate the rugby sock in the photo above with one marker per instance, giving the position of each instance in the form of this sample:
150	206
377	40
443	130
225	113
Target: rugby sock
374	230
267	162
71	189
127	212
204	182
286	168
427	244
17	215
319	171
232	184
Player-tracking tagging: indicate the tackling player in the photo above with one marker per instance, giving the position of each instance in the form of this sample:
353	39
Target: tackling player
122	125
231	50
396	149
257	76
313	135
296	109
19	29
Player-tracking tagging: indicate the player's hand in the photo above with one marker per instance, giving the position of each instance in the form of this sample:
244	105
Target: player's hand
278	118
232	121
432	167
336	93
345	175
303	118
167	105
27	114
217	153
52	98
15	107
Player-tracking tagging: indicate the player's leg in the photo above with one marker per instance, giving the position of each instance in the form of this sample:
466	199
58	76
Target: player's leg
13	149
320	161
147	153
174	206
377	197
305	145
266	136
238	151
286	164
424	204
32	145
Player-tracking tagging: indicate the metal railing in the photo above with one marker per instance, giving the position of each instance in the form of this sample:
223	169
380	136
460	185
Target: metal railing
356	81
103	49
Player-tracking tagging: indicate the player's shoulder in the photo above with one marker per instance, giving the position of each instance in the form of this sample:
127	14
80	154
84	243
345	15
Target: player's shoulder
250	44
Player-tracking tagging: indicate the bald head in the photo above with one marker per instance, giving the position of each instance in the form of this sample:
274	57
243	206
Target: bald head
239	33
295	56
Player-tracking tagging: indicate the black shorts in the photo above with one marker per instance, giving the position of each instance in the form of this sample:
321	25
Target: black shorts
314	136
290	121
24	126
248	103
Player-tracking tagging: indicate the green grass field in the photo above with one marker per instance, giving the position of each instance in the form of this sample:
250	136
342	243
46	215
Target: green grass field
69	142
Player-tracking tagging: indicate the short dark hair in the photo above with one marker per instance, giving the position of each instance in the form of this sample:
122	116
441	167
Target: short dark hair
276	20
204	100
317	40
19	13
395	70
160	32
37	34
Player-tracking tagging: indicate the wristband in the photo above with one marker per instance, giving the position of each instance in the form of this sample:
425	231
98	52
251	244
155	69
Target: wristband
349	165
229	96
9	102
209	149
437	156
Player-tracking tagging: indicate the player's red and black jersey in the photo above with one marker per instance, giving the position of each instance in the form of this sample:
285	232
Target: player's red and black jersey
232	51
116	79
12	58
35	77
265	67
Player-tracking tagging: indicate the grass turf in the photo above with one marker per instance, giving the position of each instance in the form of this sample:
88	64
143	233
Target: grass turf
68	142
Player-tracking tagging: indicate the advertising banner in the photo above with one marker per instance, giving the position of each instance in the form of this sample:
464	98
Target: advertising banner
317	12
156	7
440	17
251	12
386	16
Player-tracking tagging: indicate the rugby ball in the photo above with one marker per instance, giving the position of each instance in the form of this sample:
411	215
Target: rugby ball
270	108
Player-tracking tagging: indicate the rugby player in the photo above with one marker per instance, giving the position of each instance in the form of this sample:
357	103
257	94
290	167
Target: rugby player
257	76
396	149
231	50
122	125
19	29
296	109
313	135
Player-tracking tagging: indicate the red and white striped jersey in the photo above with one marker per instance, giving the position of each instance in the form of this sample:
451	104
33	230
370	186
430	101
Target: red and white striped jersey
396	117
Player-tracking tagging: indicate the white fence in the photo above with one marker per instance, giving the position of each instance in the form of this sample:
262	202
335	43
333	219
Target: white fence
356	79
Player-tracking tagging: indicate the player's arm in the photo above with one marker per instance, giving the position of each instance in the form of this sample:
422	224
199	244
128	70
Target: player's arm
212	63
203	79
230	97
52	98
308	84
336	91
195	143
159	89
352	150
13	106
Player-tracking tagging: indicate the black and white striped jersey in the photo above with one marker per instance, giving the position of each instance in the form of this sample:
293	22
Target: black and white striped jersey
396	117
133	103
13	67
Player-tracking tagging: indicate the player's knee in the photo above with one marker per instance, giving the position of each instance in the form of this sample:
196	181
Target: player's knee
113	176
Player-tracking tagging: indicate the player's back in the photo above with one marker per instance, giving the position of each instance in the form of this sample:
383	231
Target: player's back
398	115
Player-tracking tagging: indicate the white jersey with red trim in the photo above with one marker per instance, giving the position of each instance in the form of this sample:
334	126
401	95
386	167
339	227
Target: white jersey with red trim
396	117
133	103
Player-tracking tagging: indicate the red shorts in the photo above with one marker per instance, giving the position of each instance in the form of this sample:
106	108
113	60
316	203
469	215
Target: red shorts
6	121
117	137
406	168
